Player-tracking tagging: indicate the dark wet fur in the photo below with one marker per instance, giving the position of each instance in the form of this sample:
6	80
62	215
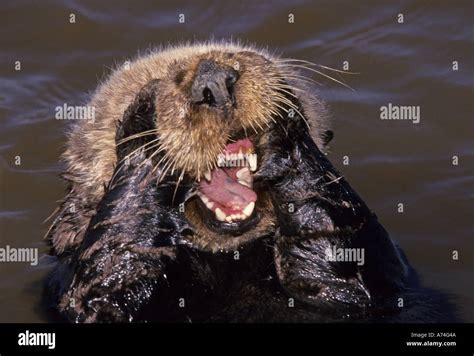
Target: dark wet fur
135	263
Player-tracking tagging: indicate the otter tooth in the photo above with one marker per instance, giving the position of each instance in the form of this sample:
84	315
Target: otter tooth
243	182
210	205
204	199
220	215
208	176
252	160
244	177
249	209
228	219
243	174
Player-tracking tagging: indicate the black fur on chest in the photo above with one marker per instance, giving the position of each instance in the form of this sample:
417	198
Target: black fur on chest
201	285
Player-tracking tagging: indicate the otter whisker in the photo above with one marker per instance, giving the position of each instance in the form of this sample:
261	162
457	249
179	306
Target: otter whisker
281	107
296	67
285	100
174	166
253	127
152	147
122	162
180	178
117	171
318	72
286	74
300	80
156	166
337	70
166	168
286	60
153	155
291	87
160	149
135	152
267	124
288	102
282	80
332	181
258	124
292	106
141	163
274	113
288	92
137	135
270	113
166	158
304	118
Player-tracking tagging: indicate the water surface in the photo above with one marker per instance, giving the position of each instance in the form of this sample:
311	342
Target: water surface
391	162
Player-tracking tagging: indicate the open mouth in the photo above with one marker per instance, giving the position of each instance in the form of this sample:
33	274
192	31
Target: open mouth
227	190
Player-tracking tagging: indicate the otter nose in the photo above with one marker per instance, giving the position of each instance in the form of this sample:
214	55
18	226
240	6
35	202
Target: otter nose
214	84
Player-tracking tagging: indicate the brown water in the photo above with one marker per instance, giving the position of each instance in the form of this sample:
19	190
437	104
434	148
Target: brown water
391	162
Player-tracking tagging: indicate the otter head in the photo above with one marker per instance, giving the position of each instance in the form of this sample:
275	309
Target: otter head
211	113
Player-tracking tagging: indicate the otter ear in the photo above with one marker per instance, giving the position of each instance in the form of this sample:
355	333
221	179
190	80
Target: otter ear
139	117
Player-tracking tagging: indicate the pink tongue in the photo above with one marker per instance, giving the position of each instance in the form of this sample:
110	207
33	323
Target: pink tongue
226	191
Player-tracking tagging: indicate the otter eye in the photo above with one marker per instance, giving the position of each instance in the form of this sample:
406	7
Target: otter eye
231	79
180	77
229	83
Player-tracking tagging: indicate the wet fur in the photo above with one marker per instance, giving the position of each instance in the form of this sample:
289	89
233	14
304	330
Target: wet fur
129	253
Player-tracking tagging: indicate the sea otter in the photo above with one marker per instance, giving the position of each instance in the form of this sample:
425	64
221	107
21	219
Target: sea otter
201	192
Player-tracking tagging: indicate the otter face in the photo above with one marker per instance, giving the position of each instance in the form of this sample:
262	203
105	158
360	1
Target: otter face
206	123
215	109
208	100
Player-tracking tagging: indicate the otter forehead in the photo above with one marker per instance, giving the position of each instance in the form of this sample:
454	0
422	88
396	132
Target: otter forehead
158	61
176	53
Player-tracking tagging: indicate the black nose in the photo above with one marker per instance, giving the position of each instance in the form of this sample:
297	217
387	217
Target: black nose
214	84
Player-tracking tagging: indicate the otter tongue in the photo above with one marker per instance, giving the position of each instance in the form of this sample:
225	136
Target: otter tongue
225	190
